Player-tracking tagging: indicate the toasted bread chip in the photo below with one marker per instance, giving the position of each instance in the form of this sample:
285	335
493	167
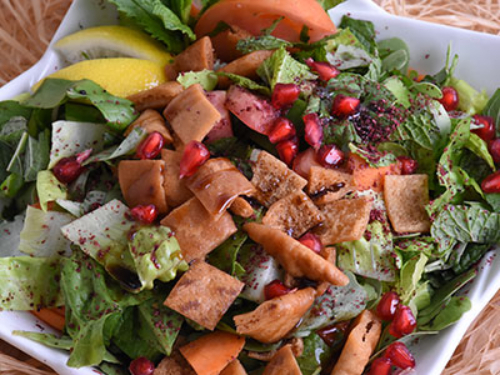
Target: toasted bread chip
241	208
211	353
175	189
203	294
141	183
198	56
191	114
283	362
295	214
345	220
217	183
275	318
274	180
330	254
198	232
151	121
405	198
360	345
174	365
225	42
297	259
327	185
234	368
245	66
157	97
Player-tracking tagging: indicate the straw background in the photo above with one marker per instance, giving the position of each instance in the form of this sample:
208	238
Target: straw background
26	27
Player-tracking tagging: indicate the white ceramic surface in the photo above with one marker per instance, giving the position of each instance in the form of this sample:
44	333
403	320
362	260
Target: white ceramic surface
479	58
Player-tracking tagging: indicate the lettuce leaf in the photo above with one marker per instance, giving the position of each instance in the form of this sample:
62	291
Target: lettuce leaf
471	101
49	188
224	257
156	254
11	230
364	31
41	235
338	303
492	109
70	138
410	275
246	83
316	354
370	258
29	283
206	78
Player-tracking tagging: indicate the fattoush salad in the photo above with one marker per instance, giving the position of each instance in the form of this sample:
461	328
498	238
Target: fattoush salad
242	187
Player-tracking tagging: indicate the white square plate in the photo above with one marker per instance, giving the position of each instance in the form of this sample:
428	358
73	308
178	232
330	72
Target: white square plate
478	65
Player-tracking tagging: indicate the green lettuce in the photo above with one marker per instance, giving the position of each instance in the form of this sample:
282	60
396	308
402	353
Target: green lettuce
410	275
156	254
29	283
206	78
370	258
471	101
316	355
49	188
364	31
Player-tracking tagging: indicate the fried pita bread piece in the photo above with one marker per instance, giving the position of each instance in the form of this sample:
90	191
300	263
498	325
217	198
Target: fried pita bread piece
275	318
345	220
174	365
405	198
141	183
241	208
203	294
191	115
198	232
297	259
360	345
175	189
157	97
234	368
295	214
217	183
274	180
198	56
245	66
283	362
211	353
151	121
327	185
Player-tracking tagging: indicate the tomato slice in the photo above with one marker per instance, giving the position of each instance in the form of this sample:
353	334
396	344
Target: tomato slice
256	15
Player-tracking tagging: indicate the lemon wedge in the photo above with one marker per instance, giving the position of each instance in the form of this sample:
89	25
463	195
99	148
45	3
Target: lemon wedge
111	41
119	76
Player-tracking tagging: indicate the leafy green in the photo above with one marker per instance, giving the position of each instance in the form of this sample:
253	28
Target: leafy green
12	130
11	231
329	4
363	30
374	157
281	67
49	188
480	148
156	18
263	42
472	254
370	258
225	256
492	109
156	255
10	109
11	185
82	113
410	275
36	157
41	235
118	112
471	101
206	78
395	54
348	57
338	303
246	83
451	313
29	283
399	90
16	163
419	129
316	354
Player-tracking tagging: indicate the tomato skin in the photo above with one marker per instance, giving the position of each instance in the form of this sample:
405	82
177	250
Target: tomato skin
255	15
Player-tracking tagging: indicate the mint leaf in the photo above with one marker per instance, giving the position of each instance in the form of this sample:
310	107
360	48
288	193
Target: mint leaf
451	313
206	78
258	43
419	129
36	157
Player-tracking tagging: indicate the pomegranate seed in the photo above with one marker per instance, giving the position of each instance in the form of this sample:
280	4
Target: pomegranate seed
333	334
141	366
386	308
408	165
450	98
288	150
144	214
68	169
491	184
275	289
194	156
313	130
344	106
381	366
487	132
284	94
312	242
400	356
330	156
324	70
403	322
151	147
304	161
282	130
494	148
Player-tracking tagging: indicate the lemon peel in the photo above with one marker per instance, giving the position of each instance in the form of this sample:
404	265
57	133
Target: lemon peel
119	76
